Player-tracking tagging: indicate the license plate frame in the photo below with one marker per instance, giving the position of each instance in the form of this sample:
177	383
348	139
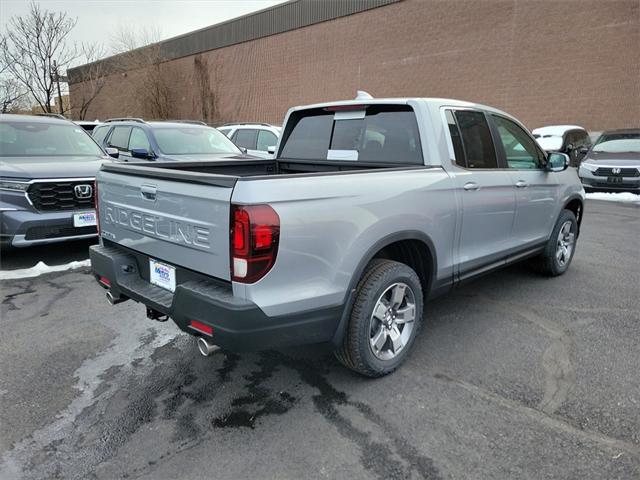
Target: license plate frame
162	275
614	179
84	219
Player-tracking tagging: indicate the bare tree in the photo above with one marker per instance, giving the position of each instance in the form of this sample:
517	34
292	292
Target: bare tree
36	51
93	75
139	49
12	94
205	92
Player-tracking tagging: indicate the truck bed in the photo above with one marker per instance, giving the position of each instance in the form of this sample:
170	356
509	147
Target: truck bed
227	173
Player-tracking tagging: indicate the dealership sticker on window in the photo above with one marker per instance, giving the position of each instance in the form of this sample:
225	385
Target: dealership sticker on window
84	219
342	155
162	275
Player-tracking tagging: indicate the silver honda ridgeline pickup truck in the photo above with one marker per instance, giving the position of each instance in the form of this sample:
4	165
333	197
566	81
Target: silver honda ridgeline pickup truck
369	209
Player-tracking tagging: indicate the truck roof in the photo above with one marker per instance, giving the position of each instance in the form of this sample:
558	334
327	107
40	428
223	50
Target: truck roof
433	102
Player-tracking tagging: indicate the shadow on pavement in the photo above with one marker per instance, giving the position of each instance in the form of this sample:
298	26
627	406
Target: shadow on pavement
52	254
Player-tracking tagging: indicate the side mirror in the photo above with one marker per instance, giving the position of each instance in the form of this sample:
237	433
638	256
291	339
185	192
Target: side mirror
243	150
557	162
271	149
141	153
112	152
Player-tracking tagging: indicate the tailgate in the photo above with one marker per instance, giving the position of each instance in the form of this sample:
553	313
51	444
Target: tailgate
184	224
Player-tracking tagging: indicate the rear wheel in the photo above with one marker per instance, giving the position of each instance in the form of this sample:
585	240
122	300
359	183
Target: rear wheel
384	321
558	253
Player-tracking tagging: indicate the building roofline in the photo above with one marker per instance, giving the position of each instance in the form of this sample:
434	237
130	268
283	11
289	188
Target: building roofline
269	21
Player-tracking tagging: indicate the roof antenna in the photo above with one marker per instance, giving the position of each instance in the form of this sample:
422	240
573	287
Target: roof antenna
362	95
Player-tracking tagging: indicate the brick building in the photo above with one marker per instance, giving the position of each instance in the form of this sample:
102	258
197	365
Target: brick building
546	62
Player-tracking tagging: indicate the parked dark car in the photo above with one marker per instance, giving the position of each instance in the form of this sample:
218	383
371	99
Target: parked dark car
133	139
47	174
569	139
613	163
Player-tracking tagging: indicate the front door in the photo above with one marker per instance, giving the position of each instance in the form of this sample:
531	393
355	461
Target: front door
537	191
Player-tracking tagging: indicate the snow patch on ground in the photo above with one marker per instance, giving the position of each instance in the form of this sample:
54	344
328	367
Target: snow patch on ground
41	268
614	197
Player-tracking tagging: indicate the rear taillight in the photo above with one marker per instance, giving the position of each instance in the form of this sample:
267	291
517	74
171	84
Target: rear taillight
255	233
95	204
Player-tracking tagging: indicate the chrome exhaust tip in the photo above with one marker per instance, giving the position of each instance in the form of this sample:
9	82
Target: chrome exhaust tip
206	348
114	300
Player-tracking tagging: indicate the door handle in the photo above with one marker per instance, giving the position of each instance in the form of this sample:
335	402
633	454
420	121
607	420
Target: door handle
471	186
148	192
521	184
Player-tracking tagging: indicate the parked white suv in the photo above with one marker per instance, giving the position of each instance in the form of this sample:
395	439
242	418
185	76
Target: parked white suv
569	139
258	139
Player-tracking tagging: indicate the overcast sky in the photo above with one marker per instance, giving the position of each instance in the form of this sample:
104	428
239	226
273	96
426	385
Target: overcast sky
99	19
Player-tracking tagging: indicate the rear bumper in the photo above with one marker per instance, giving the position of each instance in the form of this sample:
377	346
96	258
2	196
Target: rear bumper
238	325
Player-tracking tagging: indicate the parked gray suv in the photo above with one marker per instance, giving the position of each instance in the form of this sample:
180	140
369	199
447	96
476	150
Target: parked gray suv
613	163
47	174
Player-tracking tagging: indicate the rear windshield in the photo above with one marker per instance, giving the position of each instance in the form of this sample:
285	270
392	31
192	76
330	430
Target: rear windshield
23	139
193	141
377	134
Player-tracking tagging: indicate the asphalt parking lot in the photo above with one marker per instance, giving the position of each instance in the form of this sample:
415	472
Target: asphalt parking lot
514	376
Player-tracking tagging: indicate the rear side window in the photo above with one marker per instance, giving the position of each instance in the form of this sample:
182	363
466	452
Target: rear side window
246	138
477	144
456	139
266	139
100	132
120	138
378	134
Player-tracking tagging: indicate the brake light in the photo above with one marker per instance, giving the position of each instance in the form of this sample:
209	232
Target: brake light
95	204
255	234
344	108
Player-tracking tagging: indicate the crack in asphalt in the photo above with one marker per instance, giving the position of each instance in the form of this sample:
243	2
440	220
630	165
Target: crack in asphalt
8	301
556	360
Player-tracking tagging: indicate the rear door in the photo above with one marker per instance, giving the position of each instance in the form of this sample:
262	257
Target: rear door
486	191
536	190
182	224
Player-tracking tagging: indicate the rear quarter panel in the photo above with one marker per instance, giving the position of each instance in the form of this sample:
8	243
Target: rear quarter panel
329	222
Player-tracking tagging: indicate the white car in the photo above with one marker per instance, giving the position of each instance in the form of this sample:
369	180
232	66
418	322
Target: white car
258	139
570	139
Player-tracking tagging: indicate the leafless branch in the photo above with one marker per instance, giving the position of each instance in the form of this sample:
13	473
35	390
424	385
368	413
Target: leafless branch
93	78
36	49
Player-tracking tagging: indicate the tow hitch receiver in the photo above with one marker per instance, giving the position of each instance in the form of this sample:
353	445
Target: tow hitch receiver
156	315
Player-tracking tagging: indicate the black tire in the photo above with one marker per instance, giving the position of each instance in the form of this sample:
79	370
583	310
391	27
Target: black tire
356	352
547	262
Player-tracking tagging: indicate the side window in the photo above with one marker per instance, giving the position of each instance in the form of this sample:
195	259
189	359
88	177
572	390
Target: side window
139	139
266	139
246	138
584	139
120	138
225	131
520	149
479	151
456	139
99	133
